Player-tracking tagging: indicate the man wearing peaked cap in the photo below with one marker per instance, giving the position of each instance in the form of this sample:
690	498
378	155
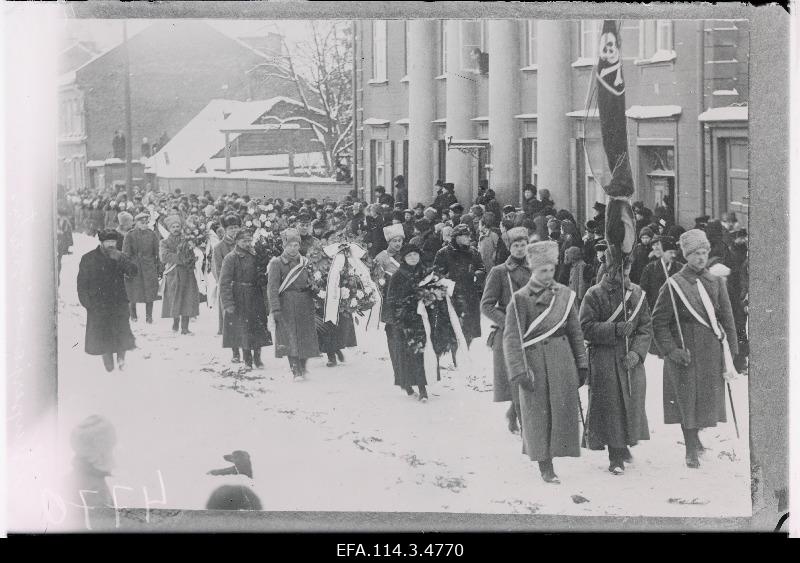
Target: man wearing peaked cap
141	246
232	224
546	358
656	271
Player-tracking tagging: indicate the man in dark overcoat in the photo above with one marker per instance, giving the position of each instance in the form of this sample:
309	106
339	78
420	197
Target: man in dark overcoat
101	291
141	246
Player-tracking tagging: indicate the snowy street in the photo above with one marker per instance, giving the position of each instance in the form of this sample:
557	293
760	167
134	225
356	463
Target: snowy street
347	439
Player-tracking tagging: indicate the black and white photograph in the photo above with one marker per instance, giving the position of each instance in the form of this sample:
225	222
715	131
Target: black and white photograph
489	267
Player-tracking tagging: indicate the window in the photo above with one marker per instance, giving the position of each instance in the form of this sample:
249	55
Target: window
630	31
378	163
590	38
443	43
530	167
655	38
657	176
379	51
471	44
531	60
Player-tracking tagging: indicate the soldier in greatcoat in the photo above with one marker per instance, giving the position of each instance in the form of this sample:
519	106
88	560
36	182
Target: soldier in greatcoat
503	280
141	246
618	343
698	344
545	356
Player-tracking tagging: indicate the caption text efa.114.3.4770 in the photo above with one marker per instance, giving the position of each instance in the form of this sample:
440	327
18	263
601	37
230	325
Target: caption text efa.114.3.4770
400	550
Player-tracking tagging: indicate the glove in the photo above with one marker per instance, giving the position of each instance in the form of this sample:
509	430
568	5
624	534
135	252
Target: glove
278	316
630	360
624	329
526	382
583	377
680	356
729	376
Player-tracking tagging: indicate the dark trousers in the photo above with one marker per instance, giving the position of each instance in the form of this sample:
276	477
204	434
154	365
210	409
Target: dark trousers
148	310
184	323
108	360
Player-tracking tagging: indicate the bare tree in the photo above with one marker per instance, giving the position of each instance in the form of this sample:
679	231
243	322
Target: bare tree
320	66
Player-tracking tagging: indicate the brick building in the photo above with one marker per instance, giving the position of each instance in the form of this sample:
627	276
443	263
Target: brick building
176	69
513	95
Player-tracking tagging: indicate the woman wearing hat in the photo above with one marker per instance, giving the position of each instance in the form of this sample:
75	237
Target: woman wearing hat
618	345
640	256
386	265
101	290
401	312
292	305
181	300
503	280
546	358
460	262
241	296
694	344
141	246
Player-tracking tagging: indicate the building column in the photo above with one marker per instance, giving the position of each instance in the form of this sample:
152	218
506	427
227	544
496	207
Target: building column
460	110
503	105
421	110
552	104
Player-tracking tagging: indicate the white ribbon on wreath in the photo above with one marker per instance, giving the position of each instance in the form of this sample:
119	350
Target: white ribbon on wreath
350	253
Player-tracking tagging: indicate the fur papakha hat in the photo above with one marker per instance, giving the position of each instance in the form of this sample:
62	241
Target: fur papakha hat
517	234
394	231
542	253
693	240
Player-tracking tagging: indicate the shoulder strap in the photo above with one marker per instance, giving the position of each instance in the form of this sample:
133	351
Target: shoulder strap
686	303
293	274
570	302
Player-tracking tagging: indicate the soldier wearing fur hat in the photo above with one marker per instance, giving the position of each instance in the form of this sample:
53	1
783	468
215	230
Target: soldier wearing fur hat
181	300
503	280
546	358
618	343
292	305
694	332
101	291
461	262
141	247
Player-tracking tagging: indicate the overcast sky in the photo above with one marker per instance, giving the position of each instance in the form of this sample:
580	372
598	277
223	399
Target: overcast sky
108	33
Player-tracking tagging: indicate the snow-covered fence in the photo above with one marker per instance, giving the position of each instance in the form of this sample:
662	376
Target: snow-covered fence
257	185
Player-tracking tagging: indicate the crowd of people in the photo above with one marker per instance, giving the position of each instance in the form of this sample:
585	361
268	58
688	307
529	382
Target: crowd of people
564	311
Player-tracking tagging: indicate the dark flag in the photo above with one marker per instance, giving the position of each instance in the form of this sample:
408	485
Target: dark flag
620	222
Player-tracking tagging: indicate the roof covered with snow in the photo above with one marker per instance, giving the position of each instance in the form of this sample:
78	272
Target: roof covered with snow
730	113
653	112
202	137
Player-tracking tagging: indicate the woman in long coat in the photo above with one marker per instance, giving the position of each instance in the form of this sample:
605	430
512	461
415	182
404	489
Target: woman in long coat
460	262
181	294
552	364
141	246
617	385
401	304
694	384
292	305
242	299
101	290
502	282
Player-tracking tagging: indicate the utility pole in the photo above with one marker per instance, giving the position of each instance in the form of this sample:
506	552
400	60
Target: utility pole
128	125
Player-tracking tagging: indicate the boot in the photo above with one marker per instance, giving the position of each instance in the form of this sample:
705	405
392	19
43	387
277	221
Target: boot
627	456
340	356
331	360
185	326
108	362
236	359
302	363
248	358
511	415
148	311
257	358
616	465
295	366
133	316
409	391
690	439
423	394
548	472
176	324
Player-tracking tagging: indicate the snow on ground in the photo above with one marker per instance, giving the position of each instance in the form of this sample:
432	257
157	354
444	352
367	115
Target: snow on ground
349	440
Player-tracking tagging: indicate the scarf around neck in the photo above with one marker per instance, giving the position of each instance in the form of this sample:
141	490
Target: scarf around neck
537	287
